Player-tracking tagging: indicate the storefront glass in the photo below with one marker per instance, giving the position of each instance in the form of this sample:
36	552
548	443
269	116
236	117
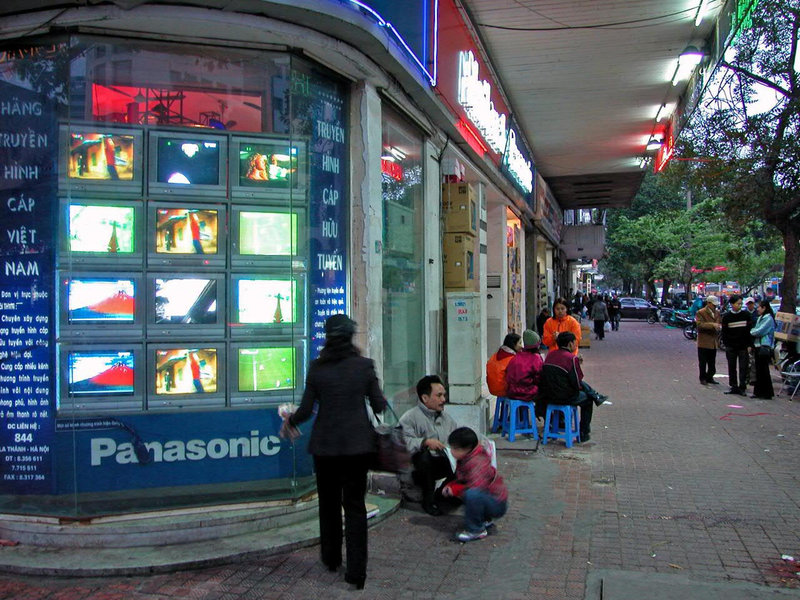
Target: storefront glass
182	232
403	314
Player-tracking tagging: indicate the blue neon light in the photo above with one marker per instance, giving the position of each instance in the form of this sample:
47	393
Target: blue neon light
404	45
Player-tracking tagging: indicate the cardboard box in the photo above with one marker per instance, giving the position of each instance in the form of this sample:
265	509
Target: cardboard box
787	327
459	250
459	208
586	336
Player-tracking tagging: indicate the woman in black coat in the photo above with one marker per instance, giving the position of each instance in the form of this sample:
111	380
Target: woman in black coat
343	442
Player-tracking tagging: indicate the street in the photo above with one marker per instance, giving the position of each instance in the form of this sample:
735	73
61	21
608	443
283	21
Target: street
682	491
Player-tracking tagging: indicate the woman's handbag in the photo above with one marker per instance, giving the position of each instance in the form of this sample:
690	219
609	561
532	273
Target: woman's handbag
764	352
392	455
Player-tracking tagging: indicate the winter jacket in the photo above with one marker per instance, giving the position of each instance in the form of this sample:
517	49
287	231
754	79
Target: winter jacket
561	378
707	318
475	471
764	331
338	389
523	374
496	371
553	327
421	423
600	311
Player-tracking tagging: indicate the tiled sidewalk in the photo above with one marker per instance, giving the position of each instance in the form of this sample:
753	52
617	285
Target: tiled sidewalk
674	482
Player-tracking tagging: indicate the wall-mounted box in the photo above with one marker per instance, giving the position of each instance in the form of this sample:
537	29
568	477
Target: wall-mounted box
459	208
459	261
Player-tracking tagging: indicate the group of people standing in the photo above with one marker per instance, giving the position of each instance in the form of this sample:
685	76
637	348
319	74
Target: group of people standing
745	329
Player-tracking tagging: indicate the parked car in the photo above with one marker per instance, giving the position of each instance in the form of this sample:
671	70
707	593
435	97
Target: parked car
636	308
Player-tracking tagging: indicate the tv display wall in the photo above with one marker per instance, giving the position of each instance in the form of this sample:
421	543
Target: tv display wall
182	269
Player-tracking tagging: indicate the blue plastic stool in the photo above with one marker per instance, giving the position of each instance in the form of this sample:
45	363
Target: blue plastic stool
500	408
519	419
553	429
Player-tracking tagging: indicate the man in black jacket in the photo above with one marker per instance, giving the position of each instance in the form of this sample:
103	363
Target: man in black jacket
736	325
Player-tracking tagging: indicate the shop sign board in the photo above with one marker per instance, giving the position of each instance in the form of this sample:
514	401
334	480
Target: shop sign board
466	83
27	339
548	215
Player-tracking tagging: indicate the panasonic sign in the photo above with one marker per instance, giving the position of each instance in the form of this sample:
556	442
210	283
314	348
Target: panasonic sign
105	450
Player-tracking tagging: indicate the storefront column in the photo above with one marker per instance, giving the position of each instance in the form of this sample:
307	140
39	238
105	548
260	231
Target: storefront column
497	273
367	221
533	306
432	232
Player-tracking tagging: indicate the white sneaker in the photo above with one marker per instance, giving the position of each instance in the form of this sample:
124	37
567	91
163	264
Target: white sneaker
468	536
488	524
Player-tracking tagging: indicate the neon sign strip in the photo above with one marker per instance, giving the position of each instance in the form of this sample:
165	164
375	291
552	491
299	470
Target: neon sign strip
385	24
475	95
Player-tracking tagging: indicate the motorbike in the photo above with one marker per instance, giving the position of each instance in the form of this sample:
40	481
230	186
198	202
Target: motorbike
690	331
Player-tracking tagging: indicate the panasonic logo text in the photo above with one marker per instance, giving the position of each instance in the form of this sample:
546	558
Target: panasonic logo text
107	449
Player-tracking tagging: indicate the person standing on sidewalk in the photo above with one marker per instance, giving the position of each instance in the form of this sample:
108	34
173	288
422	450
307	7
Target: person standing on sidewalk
708	327
614	308
599	316
343	442
764	333
736	325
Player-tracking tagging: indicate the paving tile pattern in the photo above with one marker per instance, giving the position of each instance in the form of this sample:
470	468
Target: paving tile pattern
673	481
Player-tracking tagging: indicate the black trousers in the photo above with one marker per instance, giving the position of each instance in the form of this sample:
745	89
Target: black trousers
428	468
738	367
763	387
707	358
599	330
342	482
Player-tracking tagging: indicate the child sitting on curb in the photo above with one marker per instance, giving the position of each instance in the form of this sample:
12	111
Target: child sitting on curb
477	484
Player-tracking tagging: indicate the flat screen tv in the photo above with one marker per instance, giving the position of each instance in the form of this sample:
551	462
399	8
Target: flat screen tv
100	378
96	159
187	164
186	305
186	376
100	306
101	232
268	305
269	237
268	167
188	235
266	372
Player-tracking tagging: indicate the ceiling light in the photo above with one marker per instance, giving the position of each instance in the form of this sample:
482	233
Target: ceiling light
388	157
687	61
653	144
397	153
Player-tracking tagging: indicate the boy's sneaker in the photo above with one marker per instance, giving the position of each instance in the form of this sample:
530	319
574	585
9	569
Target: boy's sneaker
468	536
488	524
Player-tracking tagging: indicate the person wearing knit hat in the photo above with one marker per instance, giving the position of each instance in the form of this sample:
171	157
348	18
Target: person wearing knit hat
524	370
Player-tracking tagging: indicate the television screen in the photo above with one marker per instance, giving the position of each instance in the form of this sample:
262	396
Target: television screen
106	300
268	165
267	233
184	161
266	301
100	373
185	300
186	371
187	231
267	369
101	156
101	228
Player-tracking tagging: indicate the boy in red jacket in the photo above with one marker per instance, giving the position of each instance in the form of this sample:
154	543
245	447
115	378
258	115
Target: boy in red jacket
477	484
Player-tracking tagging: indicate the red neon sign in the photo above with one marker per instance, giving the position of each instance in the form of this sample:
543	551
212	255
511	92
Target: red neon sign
665	152
471	137
391	169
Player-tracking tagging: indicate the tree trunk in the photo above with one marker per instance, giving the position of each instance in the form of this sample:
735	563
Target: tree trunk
664	291
790	264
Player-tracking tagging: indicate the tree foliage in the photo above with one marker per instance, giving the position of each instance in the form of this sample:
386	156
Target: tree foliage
749	157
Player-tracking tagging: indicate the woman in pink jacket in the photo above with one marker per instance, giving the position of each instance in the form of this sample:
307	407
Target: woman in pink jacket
522	374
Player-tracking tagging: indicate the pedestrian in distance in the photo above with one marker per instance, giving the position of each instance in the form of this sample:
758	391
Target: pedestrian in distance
708	327
614	308
736	325
343	443
599	315
764	336
477	484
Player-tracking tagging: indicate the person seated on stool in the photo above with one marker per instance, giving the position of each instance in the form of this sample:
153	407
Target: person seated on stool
524	371
425	430
562	382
